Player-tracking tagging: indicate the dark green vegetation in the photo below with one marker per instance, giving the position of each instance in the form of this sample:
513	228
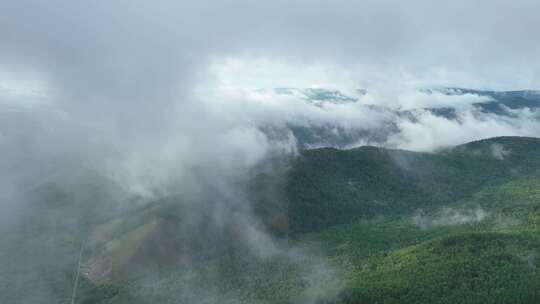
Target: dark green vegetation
457	226
367	225
327	186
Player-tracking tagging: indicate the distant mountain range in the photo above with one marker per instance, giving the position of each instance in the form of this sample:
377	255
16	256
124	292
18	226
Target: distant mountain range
510	99
334	134
501	101
319	95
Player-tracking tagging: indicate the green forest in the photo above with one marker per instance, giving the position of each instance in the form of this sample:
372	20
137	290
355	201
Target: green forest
366	225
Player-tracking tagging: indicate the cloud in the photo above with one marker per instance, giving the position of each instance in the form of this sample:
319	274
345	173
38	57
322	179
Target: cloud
449	217
499	151
429	131
415	99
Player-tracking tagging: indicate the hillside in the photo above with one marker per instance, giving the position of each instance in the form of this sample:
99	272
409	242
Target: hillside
366	225
474	241
456	226
327	186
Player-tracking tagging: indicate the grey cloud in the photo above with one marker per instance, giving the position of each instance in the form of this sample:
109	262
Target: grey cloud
119	44
499	151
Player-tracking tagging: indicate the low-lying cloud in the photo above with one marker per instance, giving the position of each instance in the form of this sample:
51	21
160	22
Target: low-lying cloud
428	131
449	217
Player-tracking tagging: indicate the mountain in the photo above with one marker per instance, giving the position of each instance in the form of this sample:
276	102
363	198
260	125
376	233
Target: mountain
500	103
317	96
312	133
328	128
364	225
459	225
367	182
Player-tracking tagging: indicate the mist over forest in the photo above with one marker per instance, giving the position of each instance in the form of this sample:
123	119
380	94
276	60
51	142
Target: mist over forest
269	152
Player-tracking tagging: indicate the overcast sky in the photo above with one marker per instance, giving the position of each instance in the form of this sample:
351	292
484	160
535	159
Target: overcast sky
140	49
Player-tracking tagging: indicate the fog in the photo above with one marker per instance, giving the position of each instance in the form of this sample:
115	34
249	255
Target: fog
145	101
449	217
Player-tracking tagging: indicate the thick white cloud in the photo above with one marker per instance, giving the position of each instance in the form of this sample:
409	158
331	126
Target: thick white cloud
429	132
